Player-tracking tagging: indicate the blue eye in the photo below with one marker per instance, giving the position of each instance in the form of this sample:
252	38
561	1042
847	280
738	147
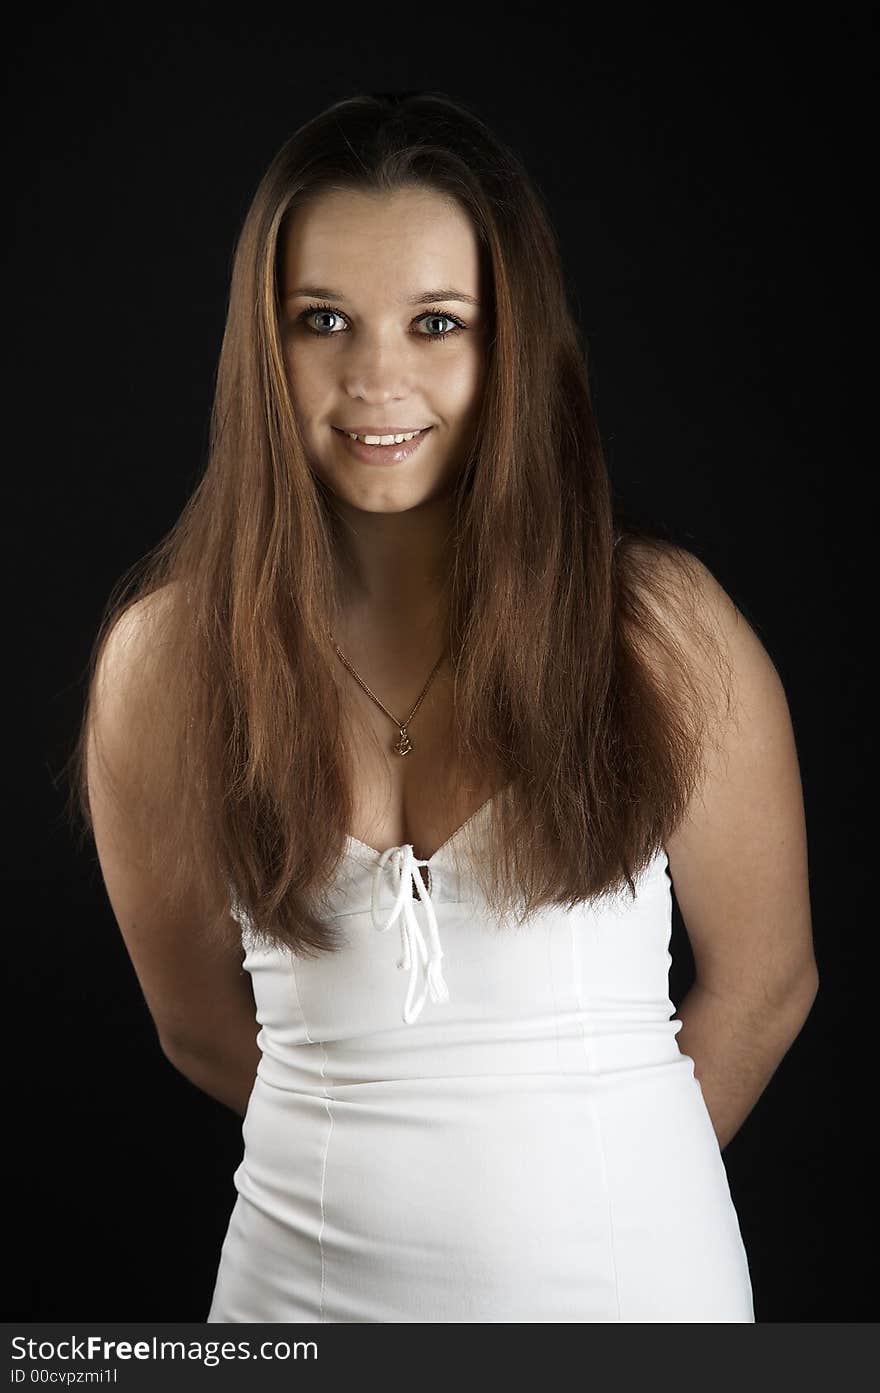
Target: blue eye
316	309
429	314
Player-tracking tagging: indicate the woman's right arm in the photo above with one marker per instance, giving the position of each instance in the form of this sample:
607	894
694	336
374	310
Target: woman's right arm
199	996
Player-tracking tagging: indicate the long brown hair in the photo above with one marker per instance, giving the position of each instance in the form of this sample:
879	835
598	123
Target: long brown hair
568	674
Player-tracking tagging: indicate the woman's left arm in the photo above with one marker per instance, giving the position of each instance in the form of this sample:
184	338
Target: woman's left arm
739	870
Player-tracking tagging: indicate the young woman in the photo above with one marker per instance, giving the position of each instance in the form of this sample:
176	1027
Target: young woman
402	712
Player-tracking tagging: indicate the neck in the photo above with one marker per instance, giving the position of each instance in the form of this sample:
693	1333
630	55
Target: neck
395	566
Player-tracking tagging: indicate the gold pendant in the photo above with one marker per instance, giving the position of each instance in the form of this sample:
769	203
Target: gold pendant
404	744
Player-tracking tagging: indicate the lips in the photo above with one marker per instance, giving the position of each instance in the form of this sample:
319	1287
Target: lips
380	431
383	454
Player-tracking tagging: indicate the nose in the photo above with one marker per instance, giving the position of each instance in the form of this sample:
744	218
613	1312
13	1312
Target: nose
378	370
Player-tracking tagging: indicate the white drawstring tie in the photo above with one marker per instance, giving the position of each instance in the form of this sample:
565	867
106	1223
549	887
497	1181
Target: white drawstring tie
405	865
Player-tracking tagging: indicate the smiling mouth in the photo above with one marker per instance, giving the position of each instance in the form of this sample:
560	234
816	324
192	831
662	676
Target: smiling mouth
370	453
385	437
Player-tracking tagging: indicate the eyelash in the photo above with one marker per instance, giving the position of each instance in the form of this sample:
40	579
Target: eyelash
431	338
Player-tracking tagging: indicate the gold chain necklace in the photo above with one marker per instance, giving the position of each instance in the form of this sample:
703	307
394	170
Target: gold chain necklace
404	744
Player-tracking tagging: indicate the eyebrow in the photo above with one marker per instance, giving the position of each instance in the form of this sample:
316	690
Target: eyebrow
426	297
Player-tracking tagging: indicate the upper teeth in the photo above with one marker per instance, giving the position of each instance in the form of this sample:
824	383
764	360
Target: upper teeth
382	439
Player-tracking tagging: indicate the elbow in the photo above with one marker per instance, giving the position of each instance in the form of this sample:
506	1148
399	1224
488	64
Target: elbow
810	986
174	1051
801	997
797	991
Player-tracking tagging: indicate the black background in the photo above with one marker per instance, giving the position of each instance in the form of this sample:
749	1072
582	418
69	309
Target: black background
706	177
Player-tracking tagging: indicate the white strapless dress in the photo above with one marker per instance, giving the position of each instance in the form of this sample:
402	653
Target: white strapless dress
454	1120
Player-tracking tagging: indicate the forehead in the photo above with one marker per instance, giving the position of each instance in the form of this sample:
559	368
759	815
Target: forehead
351	239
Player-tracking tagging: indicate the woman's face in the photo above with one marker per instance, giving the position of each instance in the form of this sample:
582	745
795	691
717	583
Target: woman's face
397	349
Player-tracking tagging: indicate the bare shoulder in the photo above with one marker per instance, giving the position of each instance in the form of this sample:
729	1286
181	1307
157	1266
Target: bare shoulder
126	646
141	618
739	859
708	630
679	587
750	709
189	971
127	716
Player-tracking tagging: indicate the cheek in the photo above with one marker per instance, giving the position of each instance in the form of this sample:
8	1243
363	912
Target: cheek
459	379
455	379
305	378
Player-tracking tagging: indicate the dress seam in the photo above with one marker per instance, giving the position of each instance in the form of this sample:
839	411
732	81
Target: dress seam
597	1124
328	1102
552	977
